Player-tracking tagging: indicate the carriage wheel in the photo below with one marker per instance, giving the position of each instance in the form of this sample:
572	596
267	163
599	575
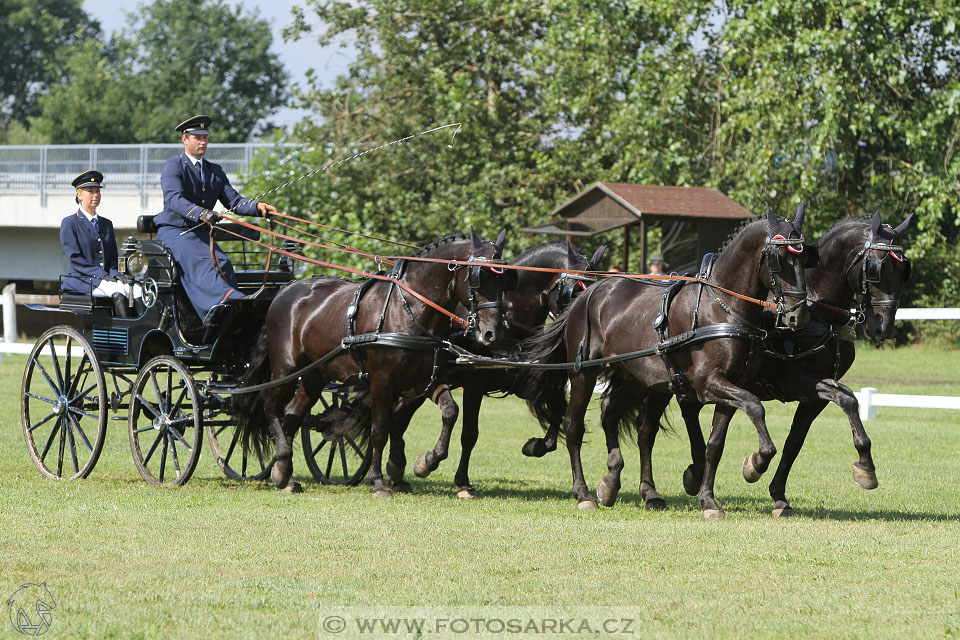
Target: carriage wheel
166	420
64	405
334	458
228	450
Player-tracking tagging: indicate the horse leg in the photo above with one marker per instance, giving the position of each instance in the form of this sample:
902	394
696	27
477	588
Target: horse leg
539	447
647	427
864	471
282	472
381	413
428	461
802	419
397	462
718	389
714	451
609	486
470	430
693	475
581	391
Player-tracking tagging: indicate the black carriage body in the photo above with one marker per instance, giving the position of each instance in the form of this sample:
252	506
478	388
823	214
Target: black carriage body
171	326
162	368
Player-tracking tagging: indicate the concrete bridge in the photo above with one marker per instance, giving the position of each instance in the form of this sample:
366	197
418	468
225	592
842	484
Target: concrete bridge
35	195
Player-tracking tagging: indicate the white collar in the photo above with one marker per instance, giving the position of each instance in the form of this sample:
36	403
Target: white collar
90	216
192	159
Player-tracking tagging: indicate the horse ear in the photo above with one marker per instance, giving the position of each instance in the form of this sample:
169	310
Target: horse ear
597	257
572	256
475	241
501	240
875	225
903	225
798	221
771	219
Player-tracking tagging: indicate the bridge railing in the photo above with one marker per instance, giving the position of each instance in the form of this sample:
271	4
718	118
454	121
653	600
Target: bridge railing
45	169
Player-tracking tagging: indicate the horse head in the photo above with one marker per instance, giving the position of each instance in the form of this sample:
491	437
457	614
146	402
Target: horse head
481	290
882	270
782	262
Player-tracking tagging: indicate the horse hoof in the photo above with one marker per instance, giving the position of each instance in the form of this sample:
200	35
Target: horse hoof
785	512
292	487
750	473
713	514
534	448
656	504
383	493
467	493
587	505
606	494
401	487
866	479
691	484
420	468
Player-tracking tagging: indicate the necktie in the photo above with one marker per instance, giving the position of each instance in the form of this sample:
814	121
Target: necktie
200	169
96	223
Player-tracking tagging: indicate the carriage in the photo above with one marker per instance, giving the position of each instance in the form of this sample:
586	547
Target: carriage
163	373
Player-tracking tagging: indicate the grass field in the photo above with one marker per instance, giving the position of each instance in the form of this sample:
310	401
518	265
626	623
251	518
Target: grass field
222	559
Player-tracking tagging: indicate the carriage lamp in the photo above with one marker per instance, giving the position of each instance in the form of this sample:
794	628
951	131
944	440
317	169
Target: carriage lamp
136	265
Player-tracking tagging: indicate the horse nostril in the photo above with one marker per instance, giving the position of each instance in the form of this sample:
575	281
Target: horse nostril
488	336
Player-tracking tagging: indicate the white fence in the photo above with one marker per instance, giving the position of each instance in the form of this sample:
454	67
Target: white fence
869	400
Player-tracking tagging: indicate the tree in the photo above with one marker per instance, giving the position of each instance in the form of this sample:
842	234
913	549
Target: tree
181	58
31	34
851	107
533	85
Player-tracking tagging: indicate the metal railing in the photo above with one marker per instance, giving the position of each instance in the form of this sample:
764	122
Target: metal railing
129	168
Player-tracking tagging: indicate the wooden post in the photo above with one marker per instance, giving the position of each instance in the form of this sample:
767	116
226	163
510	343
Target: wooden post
626	249
643	246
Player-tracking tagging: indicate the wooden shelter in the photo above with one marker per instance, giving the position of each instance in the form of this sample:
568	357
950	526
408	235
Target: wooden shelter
705	216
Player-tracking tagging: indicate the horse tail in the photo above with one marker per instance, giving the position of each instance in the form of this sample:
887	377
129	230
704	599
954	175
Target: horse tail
546	397
248	407
622	406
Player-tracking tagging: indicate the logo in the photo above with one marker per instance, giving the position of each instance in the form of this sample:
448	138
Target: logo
29	609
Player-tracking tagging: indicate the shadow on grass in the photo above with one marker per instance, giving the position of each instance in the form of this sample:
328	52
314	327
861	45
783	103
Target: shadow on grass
502	488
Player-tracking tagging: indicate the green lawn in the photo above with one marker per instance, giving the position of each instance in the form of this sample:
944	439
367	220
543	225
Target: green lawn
222	559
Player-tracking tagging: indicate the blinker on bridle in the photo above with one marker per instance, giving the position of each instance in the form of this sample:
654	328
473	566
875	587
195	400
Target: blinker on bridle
772	256
871	270
473	283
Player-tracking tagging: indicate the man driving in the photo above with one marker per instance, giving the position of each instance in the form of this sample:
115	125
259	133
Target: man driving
191	188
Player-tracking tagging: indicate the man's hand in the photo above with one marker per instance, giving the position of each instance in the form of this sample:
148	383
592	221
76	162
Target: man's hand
263	208
210	216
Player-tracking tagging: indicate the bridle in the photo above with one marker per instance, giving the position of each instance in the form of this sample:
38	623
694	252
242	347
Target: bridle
871	270
568	286
771	254
473	284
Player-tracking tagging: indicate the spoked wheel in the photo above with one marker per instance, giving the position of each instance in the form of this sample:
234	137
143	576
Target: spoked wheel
166	420
64	405
224	437
334	454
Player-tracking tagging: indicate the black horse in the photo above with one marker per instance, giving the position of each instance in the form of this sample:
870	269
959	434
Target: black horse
396	341
629	325
525	309
861	265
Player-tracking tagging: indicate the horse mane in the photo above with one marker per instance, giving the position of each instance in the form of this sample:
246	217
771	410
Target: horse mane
537	249
736	232
841	225
447	239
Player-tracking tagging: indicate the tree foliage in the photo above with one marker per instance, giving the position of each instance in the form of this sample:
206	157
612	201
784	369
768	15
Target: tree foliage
176	58
32	32
851	107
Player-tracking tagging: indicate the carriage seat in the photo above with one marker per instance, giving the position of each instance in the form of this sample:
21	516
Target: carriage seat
83	302
221	232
